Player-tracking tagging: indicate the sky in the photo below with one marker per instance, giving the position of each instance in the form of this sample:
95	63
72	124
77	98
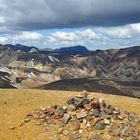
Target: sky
96	24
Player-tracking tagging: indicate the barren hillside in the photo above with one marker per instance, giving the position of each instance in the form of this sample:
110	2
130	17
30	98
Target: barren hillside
15	104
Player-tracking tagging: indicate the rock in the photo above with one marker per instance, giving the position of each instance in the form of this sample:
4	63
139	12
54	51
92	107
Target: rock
106	122
85	93
81	95
120	117
11	127
102	102
42	116
70	101
65	132
43	108
81	131
30	114
99	126
35	116
51	111
94	121
54	138
81	115
60	130
90	97
131	117
22	123
71	108
84	121
116	111
109	111
27	120
103	115
66	118
76	125
114	132
38	123
60	112
95	104
88	107
96	137
88	125
80	102
76	135
96	113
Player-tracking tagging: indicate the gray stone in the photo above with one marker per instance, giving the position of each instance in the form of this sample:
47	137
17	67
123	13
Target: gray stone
96	137
109	111
80	102
100	126
76	135
60	112
96	113
66	118
103	115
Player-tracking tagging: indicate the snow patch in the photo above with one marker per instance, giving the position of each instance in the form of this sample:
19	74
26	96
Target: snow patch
5	69
53	59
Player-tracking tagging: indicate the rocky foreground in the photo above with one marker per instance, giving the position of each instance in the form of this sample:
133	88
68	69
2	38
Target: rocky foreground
84	114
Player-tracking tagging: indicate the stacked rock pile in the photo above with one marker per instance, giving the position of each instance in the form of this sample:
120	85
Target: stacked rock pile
84	113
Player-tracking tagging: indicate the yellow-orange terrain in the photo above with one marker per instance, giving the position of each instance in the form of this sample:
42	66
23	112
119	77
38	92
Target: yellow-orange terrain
16	104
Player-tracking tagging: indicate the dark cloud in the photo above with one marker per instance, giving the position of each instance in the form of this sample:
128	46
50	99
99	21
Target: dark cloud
46	14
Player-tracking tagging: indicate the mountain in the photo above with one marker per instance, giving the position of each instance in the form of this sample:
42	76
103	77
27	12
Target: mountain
72	50
22	48
39	70
5	81
67	50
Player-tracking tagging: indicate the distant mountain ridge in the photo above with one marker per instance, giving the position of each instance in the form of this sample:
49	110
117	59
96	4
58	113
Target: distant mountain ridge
22	48
72	50
65	50
33	68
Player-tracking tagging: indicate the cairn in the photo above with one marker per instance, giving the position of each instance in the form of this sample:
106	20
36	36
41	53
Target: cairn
85	113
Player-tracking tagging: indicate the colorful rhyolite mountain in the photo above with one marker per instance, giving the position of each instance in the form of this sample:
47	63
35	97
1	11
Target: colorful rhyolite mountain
113	71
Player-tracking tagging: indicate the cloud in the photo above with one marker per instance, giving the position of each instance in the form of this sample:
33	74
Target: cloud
93	38
77	36
123	32
22	37
46	14
3	40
